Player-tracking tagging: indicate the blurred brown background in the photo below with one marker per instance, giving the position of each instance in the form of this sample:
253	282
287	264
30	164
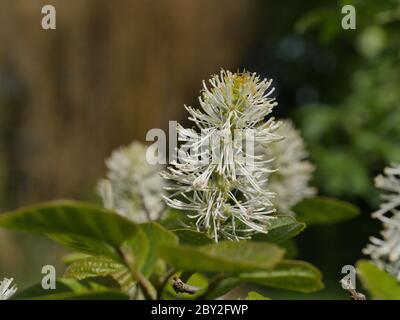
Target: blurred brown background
109	72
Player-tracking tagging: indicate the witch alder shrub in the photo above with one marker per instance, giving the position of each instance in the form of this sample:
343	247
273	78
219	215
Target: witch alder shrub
381	275
197	229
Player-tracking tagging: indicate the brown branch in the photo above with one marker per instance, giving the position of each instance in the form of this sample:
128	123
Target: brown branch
146	287
354	295
181	287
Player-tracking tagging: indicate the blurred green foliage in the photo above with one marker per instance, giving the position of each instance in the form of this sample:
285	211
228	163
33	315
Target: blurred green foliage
354	138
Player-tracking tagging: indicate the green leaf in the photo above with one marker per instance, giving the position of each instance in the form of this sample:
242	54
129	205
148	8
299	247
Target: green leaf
290	247
288	274
175	219
71	217
96	295
282	228
223	256
135	250
93	267
86	245
90	267
70	258
223	288
157	236
37	291
321	211
252	295
192	237
140	249
380	284
69	289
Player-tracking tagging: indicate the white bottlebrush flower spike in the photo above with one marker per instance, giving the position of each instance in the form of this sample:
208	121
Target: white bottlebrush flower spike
6	292
224	192
291	181
385	252
133	187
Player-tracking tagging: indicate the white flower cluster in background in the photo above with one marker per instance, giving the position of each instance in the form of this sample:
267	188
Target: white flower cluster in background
6	292
291	181
133	187
385	251
225	195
